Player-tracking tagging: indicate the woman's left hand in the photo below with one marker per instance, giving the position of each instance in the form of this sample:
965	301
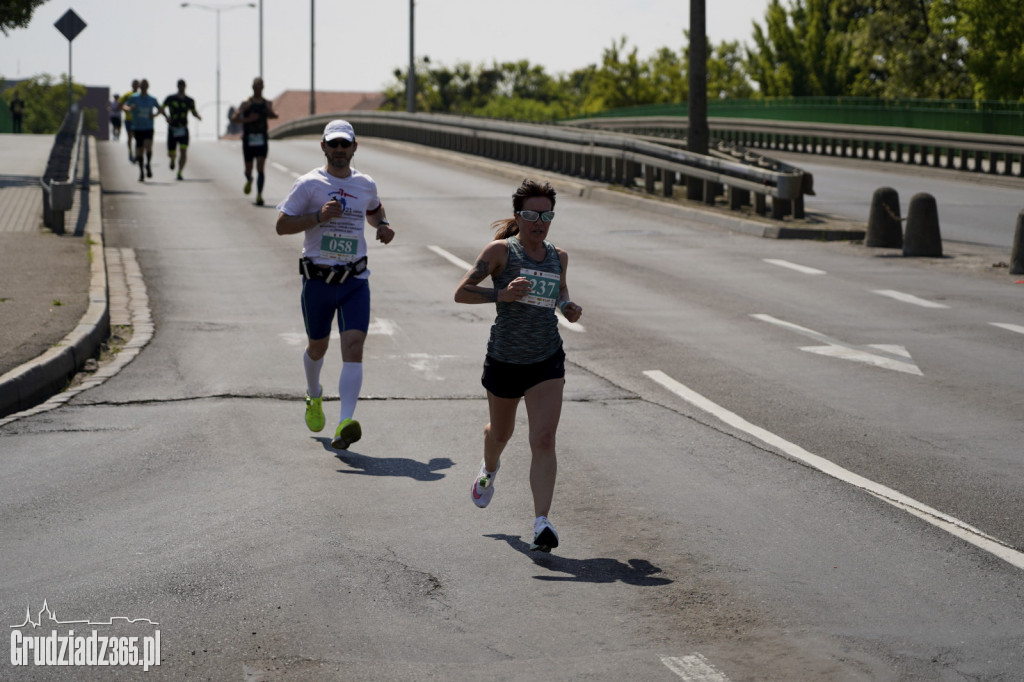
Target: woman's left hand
572	311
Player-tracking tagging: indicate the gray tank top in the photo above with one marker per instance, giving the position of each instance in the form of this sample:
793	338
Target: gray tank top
526	331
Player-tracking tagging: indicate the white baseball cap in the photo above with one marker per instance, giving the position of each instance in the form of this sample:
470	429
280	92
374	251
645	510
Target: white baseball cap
339	128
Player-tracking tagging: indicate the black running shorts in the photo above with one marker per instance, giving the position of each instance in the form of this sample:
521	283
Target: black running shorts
508	380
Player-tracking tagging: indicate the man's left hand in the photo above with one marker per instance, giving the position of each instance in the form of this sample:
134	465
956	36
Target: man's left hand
385	234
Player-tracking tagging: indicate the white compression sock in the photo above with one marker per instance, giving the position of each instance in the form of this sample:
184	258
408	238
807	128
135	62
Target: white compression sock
349	384
312	368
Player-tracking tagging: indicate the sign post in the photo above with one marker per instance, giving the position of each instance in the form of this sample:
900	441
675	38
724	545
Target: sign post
70	25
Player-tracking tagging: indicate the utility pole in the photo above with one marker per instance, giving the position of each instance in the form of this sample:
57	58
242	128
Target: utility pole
410	78
697	131
312	57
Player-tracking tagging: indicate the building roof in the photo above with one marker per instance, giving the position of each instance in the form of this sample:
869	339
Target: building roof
293	104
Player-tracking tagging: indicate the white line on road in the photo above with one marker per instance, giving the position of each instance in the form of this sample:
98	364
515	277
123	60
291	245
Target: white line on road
909	298
1009	327
882	355
378	325
794	266
451	258
936	518
463	265
693	668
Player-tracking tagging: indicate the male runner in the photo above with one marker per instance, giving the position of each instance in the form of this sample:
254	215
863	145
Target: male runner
176	110
143	107
330	207
128	119
253	114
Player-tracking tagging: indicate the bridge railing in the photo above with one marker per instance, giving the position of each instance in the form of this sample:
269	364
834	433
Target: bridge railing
61	174
643	164
971	152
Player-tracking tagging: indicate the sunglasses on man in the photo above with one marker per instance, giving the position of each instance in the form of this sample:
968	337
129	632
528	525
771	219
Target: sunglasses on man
340	142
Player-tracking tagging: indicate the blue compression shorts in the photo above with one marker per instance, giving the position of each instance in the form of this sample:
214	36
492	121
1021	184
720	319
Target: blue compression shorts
320	301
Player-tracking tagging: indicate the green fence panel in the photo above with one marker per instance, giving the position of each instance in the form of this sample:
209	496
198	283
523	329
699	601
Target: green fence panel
966	116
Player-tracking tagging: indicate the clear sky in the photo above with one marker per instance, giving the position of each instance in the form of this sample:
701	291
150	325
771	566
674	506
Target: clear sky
358	45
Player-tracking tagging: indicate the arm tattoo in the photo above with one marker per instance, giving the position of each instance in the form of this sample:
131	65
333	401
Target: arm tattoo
480	271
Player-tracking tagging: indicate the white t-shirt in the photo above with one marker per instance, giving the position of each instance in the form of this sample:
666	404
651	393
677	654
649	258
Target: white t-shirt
339	240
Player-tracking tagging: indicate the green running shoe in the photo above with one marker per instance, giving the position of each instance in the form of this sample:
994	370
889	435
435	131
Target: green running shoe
315	412
348	432
248	187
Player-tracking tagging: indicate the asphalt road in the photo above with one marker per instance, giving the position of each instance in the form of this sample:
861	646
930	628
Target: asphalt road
778	460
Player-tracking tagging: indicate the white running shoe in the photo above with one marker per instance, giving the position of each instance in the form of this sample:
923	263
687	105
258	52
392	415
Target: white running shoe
545	538
483	486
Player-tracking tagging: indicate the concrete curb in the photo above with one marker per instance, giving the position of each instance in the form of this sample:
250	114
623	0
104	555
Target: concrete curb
33	382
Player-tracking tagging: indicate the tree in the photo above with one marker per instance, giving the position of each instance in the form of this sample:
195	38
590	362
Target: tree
46	102
667	71
871	48
906	49
995	52
17	14
802	52
727	74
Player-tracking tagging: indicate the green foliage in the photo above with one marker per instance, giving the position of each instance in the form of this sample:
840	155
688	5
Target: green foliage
995	52
17	14
886	49
46	103
870	48
524	91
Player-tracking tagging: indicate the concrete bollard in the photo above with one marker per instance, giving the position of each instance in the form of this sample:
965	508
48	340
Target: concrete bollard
922	238
1017	255
885	227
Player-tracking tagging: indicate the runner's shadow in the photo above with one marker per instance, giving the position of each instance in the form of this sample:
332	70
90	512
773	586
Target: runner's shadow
389	466
639	572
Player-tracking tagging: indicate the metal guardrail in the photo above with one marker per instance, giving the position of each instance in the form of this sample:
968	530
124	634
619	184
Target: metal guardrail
972	152
635	162
60	178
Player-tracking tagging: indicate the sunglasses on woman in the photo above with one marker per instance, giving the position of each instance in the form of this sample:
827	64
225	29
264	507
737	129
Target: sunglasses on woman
533	216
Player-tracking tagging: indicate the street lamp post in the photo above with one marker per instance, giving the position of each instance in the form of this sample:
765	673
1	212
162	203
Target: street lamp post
218	9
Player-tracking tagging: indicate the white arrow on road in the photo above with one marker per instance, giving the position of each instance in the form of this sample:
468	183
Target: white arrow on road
880	355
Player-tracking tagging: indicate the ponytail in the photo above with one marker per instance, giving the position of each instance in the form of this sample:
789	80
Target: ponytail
505	228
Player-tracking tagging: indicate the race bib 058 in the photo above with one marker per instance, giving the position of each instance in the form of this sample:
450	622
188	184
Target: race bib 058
336	247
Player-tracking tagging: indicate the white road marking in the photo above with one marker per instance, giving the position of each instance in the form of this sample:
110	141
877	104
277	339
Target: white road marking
382	326
940	520
693	668
886	356
377	326
451	258
794	266
909	298
1009	327
463	265
427	364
